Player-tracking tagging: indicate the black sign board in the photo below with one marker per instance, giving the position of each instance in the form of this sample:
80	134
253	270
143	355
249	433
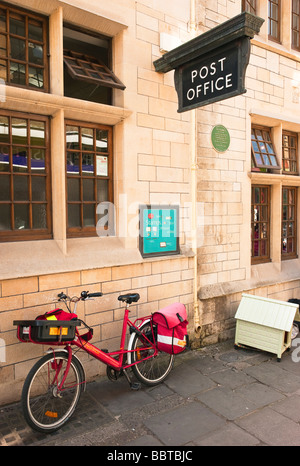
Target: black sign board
212	66
209	79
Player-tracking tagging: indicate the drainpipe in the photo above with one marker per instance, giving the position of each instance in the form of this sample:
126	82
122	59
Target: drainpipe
193	158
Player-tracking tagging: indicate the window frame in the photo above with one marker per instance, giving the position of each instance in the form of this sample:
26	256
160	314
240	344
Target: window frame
289	147
76	62
259	259
250	6
295	29
45	43
88	231
293	254
29	234
264	141
277	37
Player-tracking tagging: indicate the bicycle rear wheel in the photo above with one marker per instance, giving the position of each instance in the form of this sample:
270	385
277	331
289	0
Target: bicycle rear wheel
150	371
45	407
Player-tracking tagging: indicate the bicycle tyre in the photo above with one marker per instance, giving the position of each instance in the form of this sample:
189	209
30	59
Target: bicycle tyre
44	409
154	370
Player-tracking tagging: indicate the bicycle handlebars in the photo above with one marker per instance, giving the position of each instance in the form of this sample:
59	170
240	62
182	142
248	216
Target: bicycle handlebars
84	295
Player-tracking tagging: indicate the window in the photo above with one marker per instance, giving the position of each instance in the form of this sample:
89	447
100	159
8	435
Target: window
289	223
25	210
260	223
89	175
289	153
263	153
296	24
250	6
274	19
87	72
23	49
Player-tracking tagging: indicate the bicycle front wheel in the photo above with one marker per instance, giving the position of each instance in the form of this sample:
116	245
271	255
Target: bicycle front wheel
46	406
155	369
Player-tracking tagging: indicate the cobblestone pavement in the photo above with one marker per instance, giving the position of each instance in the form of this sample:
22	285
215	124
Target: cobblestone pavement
217	395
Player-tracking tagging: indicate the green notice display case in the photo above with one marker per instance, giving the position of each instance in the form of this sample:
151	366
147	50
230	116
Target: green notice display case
159	230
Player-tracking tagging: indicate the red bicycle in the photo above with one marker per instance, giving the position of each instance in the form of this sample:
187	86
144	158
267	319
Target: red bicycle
53	386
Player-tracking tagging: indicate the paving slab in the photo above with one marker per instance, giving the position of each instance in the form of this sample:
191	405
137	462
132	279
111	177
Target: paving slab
289	407
227	402
231	378
186	381
117	397
275	376
271	428
183	424
229	435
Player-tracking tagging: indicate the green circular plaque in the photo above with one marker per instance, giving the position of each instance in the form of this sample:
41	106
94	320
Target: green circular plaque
220	138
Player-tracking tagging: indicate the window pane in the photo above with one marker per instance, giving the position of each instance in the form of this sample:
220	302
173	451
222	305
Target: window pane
4	130
72	137
73	163
4	158
73	215
21	188
19	131
87	139
17	24
21	216
38	187
89	215
73	189
3	21
35	77
102	191
37	160
88	164
101	141
20	161
35	30
39	216
35	53
5	188
18	49
18	74
3	46
88	190
37	133
5	217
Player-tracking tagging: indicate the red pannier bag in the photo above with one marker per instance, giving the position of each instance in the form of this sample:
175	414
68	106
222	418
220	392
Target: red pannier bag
171	322
57	314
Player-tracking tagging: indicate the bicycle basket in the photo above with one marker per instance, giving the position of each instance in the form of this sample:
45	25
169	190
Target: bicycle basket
46	331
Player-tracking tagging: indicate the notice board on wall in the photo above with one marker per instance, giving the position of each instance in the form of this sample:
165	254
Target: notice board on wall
159	230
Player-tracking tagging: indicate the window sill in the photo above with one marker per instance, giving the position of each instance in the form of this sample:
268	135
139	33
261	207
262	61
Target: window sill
273	178
31	258
48	104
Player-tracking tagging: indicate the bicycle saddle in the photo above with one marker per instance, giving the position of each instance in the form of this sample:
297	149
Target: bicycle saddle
129	298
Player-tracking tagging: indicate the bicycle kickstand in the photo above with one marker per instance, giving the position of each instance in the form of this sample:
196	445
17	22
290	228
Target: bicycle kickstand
133	385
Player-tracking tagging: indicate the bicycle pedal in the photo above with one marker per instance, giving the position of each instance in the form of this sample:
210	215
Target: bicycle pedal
104	350
135	386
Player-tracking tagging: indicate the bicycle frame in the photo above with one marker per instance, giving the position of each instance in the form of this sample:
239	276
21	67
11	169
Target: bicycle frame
107	357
